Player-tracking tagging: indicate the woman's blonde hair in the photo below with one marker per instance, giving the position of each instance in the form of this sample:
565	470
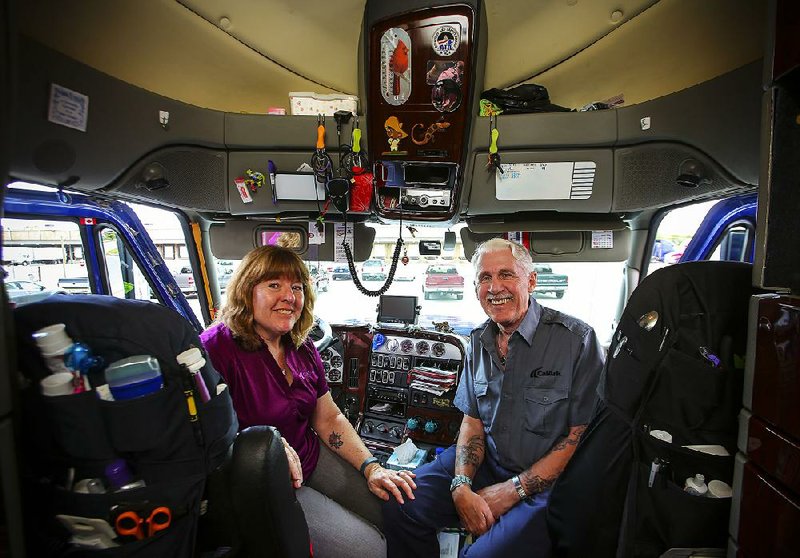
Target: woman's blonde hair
259	265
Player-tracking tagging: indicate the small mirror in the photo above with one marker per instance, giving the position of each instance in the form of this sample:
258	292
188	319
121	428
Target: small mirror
282	236
430	248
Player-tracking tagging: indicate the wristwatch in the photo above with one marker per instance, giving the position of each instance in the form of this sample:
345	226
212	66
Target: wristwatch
458	480
519	488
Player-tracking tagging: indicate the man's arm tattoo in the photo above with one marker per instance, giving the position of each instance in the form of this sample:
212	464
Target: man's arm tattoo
571	440
534	484
471	453
335	440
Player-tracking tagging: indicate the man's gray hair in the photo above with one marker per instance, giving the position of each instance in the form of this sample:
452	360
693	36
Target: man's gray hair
520	253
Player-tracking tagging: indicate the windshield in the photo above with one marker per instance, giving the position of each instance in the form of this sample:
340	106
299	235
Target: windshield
586	290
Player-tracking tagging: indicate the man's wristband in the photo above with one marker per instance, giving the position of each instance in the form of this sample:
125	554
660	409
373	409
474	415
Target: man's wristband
458	480
367	462
519	488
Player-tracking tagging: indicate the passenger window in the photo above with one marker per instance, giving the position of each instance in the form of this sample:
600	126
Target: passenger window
125	279
42	257
674	233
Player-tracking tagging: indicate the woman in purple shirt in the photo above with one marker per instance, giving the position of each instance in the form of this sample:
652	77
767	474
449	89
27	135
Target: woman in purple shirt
275	377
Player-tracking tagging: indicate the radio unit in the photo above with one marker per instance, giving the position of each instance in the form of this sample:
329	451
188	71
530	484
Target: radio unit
418	197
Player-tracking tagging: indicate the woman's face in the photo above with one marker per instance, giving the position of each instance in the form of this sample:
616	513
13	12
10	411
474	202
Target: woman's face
277	305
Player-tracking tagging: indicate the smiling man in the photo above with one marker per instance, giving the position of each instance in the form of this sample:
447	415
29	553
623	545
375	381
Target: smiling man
528	391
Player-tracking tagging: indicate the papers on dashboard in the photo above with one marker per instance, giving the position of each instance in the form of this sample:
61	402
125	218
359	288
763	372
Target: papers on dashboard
431	380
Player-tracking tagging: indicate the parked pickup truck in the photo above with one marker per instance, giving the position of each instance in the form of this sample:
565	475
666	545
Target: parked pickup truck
74	284
549	282
443	279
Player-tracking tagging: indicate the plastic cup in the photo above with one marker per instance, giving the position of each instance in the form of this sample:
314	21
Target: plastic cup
58	384
53	340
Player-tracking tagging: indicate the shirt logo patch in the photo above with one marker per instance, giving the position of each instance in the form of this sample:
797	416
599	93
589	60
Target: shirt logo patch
539	373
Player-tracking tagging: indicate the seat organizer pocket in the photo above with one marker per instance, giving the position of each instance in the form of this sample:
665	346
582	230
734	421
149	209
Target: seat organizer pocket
77	426
156	427
219	426
182	497
691	394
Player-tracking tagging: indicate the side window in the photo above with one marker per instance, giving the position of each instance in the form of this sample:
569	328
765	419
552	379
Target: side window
674	233
42	257
125	278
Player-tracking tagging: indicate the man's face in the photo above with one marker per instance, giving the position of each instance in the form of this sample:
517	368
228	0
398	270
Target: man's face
503	288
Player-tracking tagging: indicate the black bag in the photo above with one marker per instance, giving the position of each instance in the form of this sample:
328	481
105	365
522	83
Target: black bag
528	97
622	493
73	437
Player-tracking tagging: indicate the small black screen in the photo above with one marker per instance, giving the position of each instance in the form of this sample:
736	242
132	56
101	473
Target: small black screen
397	309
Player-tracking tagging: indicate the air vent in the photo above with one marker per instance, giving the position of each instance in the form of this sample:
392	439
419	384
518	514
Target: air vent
352	375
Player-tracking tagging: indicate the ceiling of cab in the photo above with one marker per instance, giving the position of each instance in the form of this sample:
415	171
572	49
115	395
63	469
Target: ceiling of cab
247	55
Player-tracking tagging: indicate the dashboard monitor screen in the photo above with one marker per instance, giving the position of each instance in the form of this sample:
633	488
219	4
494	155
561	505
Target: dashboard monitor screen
397	309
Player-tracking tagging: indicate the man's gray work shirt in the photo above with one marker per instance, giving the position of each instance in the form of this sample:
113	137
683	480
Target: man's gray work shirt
552	369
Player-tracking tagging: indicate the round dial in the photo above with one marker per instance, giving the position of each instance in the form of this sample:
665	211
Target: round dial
406	345
326	366
336	361
438	349
325	355
423	347
392	345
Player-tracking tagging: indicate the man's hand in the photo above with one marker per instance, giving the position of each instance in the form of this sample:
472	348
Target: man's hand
499	497
475	514
295	468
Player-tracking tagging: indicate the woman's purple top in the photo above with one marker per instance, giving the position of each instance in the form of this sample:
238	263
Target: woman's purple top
261	394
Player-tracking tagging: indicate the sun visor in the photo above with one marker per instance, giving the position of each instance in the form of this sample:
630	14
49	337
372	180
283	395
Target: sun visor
231	240
602	245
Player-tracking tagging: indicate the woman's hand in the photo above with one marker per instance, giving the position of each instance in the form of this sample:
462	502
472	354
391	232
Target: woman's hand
385	483
295	468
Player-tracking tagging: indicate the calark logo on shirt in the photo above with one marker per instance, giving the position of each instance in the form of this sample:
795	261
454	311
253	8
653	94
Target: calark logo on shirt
539	373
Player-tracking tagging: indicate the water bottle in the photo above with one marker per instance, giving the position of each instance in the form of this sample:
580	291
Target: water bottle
120	477
696	485
192	360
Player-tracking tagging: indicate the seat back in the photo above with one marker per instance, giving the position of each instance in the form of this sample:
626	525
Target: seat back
252	505
168	439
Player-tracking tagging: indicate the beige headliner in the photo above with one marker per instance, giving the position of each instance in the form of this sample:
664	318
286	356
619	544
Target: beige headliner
177	47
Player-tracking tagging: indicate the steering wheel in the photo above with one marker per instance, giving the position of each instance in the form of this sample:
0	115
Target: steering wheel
321	334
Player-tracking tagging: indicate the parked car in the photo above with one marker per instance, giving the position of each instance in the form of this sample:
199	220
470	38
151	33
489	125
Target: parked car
373	270
22	291
185	279
673	257
319	277
341	273
404	272
549	282
224	274
660	249
74	284
443	279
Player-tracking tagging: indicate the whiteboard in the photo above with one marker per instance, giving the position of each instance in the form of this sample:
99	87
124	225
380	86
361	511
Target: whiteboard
572	180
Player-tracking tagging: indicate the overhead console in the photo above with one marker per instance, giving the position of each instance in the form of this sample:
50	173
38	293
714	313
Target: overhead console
422	74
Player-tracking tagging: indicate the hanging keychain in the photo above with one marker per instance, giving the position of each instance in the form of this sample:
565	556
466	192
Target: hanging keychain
493	164
320	160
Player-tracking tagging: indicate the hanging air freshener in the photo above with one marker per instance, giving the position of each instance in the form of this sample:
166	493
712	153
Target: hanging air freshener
404	259
493	163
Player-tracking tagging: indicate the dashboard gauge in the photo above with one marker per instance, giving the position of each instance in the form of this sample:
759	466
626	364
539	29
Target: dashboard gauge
326	366
336	361
406	345
325	355
438	349
423	347
392	345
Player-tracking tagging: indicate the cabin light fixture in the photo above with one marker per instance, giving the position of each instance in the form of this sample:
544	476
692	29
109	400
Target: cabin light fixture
616	16
153	177
691	174
225	23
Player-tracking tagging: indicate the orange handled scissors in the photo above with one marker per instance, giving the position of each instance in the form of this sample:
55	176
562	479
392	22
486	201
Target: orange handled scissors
131	523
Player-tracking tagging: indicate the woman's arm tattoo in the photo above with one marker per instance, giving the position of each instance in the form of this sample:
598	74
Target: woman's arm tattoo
335	440
471	453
